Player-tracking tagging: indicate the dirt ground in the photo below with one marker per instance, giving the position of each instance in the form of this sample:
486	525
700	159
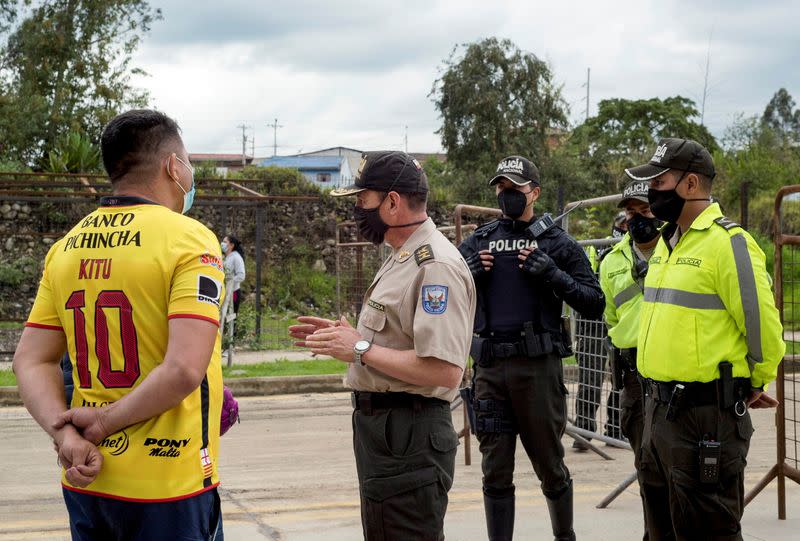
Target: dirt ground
288	474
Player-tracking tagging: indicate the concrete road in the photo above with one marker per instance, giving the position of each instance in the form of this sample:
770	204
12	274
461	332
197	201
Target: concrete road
288	474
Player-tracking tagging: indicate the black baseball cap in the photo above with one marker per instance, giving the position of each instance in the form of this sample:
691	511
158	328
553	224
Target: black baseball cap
674	153
518	170
386	171
635	189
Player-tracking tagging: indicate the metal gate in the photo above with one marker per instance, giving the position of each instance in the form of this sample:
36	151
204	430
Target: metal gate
786	236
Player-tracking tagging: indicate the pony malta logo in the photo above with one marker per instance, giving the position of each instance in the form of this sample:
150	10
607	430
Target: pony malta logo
661	151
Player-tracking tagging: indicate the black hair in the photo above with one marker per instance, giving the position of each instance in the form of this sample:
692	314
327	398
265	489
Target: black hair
416	200
133	139
237	246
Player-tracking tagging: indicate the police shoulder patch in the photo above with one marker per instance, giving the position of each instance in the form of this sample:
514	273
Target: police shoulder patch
434	299
423	253
726	223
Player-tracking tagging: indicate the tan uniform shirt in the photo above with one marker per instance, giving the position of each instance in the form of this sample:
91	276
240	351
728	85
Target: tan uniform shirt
422	298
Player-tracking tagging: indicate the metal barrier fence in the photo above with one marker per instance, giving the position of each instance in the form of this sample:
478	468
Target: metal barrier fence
787	387
594	413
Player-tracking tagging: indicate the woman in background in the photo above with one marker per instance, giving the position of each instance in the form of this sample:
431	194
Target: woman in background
234	267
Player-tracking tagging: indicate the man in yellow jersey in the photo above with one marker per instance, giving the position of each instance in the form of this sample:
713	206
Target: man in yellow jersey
709	341
132	292
622	273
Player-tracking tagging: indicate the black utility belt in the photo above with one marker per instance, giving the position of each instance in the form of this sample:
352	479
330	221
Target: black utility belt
693	393
532	345
366	401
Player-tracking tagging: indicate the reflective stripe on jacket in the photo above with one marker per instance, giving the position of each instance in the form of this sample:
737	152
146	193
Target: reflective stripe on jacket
623	295
709	301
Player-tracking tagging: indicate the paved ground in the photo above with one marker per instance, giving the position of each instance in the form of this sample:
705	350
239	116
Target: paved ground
288	474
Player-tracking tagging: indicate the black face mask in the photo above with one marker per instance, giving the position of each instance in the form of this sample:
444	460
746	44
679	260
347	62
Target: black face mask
667	205
643	229
370	224
512	202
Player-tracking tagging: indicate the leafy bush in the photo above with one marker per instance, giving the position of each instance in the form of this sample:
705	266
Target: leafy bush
19	271
73	153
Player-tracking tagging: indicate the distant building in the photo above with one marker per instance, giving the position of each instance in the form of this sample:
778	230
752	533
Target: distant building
330	167
324	171
222	163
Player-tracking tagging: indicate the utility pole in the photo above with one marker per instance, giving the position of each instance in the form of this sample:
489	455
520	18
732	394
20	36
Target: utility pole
253	144
244	143
588	80
275	127
405	138
705	83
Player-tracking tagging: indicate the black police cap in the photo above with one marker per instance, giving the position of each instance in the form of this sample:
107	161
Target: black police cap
387	171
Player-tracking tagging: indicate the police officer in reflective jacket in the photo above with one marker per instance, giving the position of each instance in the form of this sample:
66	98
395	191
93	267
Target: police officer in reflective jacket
622	273
709	340
521	279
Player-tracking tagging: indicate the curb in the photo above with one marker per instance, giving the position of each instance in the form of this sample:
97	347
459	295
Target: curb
331	383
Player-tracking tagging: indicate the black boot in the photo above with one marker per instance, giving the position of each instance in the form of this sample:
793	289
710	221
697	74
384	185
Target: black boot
499	517
561	515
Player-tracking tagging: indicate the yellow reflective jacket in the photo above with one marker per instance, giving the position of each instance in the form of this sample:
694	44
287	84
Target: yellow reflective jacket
623	294
707	301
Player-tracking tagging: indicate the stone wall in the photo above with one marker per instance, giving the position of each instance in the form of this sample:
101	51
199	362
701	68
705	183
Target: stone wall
291	230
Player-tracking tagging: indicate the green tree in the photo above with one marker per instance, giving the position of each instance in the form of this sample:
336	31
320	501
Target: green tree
781	115
494	100
625	132
756	153
65	66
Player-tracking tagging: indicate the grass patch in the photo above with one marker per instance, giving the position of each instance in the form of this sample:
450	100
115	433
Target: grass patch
285	368
11	324
7	378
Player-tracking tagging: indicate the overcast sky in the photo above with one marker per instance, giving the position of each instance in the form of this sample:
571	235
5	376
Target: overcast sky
355	73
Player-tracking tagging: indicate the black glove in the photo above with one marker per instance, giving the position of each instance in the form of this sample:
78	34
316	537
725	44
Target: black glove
475	264
539	264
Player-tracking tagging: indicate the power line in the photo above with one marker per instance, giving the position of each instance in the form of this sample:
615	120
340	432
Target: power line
275	127
244	142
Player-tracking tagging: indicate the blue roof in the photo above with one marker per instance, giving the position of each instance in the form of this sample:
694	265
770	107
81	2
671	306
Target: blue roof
304	163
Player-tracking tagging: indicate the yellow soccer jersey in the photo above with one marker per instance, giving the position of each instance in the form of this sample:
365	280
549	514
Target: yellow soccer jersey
111	284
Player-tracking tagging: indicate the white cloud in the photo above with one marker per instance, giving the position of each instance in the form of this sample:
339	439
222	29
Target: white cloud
355	73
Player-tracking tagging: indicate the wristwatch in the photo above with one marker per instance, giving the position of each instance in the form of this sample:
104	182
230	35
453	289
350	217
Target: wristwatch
361	347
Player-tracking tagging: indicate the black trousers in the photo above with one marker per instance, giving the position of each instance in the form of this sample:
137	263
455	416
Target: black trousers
677	504
534	391
632	419
405	458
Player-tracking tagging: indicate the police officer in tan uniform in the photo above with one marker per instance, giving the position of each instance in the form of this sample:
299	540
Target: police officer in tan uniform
405	357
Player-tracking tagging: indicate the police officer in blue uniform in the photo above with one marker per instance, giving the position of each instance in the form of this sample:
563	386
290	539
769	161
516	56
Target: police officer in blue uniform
521	279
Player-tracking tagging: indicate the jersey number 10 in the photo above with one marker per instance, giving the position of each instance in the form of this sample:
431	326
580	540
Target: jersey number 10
108	377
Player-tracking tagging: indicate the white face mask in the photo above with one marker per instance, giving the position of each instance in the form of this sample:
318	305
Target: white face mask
224	246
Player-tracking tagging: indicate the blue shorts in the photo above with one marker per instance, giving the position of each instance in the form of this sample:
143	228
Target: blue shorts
198	518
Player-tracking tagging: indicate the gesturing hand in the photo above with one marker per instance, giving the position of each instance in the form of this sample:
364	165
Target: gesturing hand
337	341
308	326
